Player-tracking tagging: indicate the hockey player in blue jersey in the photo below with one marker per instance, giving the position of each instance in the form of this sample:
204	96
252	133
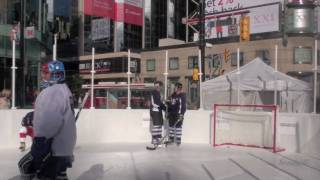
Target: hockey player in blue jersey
176	109
156	107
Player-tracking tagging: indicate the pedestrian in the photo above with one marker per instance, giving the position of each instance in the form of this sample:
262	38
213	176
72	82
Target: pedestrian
5	99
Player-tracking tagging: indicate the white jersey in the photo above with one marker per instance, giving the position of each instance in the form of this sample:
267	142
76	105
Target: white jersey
54	117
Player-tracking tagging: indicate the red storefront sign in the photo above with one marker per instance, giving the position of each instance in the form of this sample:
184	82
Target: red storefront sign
101	8
130	12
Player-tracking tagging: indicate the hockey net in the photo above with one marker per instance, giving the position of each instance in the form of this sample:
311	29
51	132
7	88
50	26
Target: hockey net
246	125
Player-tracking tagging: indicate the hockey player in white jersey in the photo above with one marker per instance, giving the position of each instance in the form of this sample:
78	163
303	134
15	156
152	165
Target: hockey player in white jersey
54	127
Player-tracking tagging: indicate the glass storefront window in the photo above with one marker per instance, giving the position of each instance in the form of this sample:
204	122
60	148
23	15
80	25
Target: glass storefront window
149	80
264	54
234	58
302	55
174	63
151	65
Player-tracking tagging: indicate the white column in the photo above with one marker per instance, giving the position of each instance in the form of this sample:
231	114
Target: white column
13	68
238	73
166	77
92	78
315	76
187	18
275	75
129	75
55	48
200	79
40	15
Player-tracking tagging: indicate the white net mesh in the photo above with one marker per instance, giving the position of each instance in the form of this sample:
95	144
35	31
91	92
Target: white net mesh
251	126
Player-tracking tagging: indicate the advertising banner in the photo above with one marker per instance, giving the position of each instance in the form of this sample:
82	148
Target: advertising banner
29	32
100	8
101	66
262	19
129	11
100	29
216	6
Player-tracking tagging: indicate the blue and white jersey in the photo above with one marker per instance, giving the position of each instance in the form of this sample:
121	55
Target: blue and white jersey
177	103
155	102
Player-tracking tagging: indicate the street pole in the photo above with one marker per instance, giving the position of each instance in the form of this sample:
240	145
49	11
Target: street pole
200	81
23	62
315	76
13	89
166	77
202	38
55	47
92	78
129	76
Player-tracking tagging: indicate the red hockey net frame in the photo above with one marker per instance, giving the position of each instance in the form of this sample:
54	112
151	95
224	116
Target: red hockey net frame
273	108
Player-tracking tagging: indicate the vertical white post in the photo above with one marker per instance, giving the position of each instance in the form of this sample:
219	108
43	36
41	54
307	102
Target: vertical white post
275	75
55	48
129	74
238	73
92	78
108	99
40	16
13	68
200	78
187	18
166	77
315	76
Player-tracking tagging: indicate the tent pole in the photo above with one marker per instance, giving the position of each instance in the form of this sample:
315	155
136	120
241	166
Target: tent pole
275	75
238	73
315	76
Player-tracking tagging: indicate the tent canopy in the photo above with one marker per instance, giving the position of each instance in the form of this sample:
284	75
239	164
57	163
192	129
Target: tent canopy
256	76
259	78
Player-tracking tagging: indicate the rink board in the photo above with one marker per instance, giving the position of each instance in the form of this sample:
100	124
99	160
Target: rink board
297	132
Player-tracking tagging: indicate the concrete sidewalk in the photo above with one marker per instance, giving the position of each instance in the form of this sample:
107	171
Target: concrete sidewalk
188	162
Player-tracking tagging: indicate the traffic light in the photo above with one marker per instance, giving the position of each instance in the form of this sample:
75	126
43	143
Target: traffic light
226	55
245	29
195	74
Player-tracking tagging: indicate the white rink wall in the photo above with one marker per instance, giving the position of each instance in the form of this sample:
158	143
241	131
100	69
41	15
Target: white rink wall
298	132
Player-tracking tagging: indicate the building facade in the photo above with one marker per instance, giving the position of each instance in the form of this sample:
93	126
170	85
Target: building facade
291	26
38	20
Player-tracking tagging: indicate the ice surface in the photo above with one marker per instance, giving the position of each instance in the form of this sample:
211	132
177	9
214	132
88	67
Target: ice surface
187	162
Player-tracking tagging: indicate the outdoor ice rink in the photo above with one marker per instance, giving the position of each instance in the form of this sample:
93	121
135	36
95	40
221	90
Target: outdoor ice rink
111	144
189	162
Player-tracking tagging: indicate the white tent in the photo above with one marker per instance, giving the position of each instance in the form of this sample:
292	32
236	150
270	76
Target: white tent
257	82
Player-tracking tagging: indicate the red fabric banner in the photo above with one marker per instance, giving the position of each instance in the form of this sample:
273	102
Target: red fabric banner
121	12
101	8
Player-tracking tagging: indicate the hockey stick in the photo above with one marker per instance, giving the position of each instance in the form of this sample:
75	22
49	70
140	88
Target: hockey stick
82	105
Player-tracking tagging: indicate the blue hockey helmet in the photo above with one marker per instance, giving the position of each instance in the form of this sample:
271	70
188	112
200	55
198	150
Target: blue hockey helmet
57	72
